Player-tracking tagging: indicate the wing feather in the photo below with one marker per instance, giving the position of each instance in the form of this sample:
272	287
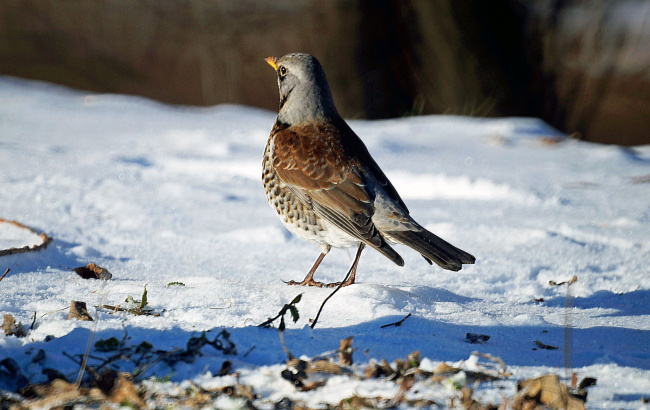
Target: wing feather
313	162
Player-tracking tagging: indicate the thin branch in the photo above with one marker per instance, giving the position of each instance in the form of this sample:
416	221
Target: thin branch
33	322
148	366
4	274
398	323
284	346
250	350
11	251
347	276
313	324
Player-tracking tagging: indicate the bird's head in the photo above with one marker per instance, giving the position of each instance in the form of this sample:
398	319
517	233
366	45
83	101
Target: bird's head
304	93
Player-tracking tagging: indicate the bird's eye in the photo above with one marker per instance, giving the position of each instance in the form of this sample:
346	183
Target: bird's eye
283	71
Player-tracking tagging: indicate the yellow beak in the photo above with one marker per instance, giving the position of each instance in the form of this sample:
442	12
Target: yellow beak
272	62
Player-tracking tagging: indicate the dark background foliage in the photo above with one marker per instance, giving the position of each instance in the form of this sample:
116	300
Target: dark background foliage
583	66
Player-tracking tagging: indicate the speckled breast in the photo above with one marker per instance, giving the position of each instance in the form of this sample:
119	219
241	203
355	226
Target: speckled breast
298	219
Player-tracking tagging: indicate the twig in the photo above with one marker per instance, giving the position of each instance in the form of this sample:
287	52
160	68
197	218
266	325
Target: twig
54	311
136	311
347	276
270	321
313	324
250	350
12	251
544	345
33	322
287	307
152	363
4	274
69	356
398	323
284	346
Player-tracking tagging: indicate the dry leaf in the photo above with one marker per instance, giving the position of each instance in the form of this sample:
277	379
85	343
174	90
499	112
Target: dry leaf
444	368
404	386
357	402
55	394
324	366
92	271
78	311
124	391
345	351
11	328
547	391
313	385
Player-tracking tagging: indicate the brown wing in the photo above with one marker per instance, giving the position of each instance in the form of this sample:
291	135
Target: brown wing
318	168
371	166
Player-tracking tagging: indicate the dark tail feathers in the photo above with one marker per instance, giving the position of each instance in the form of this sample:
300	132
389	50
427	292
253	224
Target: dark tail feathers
433	248
389	252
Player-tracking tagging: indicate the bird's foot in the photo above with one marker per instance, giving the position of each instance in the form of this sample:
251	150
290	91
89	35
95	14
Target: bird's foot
307	282
336	284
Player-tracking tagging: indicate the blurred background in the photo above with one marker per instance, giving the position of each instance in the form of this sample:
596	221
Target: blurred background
582	66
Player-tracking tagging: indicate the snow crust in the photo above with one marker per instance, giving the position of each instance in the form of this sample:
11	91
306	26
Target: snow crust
158	194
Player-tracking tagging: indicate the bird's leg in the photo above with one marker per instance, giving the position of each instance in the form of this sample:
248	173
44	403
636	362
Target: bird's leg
352	272
309	279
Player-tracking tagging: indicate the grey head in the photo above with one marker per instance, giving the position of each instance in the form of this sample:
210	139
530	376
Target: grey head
304	93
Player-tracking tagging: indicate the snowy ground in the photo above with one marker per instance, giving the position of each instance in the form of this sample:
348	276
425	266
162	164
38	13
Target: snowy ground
159	194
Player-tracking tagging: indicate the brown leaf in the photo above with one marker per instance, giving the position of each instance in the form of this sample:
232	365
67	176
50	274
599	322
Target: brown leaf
106	380
124	391
324	366
345	351
413	360
547	391
92	271
442	372
78	311
468	401
404	386
245	392
313	385
444	368
51	395
357	402
11	328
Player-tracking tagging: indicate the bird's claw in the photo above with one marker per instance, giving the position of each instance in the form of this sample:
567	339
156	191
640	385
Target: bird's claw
310	282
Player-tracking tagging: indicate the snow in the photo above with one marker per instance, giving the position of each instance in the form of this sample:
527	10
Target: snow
157	194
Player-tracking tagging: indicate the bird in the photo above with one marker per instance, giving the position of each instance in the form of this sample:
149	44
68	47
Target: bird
325	186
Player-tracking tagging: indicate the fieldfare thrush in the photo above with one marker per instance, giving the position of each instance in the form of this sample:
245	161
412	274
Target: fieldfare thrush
326	188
